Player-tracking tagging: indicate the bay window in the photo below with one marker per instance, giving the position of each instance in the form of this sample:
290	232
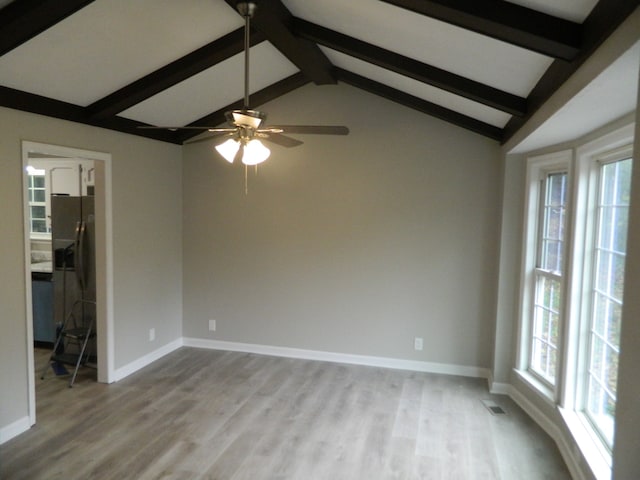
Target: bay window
575	243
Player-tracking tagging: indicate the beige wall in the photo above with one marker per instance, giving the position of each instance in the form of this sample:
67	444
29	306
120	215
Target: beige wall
147	245
511	225
350	244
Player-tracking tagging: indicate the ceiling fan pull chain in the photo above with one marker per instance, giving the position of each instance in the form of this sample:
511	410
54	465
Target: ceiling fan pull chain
246	183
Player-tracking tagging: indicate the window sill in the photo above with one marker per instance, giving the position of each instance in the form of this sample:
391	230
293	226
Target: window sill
594	452
586	443
547	393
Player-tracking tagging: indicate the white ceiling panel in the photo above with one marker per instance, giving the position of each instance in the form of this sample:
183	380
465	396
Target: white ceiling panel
504	66
610	96
418	89
213	89
111	43
573	10
108	45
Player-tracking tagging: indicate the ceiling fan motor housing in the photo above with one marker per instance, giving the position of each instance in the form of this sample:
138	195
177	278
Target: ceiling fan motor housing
246	118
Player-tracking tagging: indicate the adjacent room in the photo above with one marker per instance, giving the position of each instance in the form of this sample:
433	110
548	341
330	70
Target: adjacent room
289	239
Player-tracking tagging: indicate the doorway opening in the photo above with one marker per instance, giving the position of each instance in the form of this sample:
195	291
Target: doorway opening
52	169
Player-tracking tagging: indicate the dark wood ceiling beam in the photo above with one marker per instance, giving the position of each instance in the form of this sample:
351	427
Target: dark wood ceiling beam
419	104
177	71
258	98
603	20
22	20
29	102
511	23
409	67
275	21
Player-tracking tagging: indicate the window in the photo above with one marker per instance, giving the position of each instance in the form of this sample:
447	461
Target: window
607	285
38	219
544	264
548	276
575	244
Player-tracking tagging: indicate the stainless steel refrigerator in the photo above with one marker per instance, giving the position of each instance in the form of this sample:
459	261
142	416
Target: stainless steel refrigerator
74	272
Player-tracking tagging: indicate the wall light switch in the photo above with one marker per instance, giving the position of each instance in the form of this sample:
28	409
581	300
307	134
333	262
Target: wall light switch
212	325
152	334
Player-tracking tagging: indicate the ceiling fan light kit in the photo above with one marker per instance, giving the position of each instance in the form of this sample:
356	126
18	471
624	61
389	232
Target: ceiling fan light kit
255	152
252	152
228	149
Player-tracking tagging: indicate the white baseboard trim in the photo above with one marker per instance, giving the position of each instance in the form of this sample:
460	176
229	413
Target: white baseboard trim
567	452
149	358
14	429
371	361
499	388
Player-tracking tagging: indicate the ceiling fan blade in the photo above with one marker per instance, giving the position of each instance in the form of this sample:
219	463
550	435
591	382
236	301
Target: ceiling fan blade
313	129
211	129
282	140
213	135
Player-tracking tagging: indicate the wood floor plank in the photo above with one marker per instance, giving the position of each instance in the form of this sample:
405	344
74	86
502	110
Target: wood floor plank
203	414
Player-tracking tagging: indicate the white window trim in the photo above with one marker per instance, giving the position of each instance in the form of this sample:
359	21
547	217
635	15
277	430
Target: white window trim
588	157
537	167
616	145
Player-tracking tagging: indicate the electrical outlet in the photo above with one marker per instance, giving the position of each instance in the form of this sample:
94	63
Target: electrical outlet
152	334
212	325
418	343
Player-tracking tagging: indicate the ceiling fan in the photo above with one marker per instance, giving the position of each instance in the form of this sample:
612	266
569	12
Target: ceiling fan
246	126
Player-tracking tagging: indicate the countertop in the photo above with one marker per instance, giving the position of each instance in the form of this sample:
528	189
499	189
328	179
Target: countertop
42	267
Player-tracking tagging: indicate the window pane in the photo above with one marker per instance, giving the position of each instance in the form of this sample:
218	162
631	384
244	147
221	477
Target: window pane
38	212
619	243
38	181
39	226
557	188
617	277
552	255
553	220
39	196
546	322
607	227
623	183
613	234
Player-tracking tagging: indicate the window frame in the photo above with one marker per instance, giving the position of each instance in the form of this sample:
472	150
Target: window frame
37	172
593	160
538	168
540	273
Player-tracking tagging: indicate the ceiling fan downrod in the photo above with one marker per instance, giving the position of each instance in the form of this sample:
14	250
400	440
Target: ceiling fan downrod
246	9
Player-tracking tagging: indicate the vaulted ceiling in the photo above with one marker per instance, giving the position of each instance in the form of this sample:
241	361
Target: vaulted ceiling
484	65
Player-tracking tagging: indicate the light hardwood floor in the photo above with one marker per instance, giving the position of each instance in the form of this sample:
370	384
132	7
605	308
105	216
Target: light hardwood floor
203	414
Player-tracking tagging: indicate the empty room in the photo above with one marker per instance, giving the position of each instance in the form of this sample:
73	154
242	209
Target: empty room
377	239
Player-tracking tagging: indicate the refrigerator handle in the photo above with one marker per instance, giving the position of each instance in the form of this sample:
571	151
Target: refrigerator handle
79	253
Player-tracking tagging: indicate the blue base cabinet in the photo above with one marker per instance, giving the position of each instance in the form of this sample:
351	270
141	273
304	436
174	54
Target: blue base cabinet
44	329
